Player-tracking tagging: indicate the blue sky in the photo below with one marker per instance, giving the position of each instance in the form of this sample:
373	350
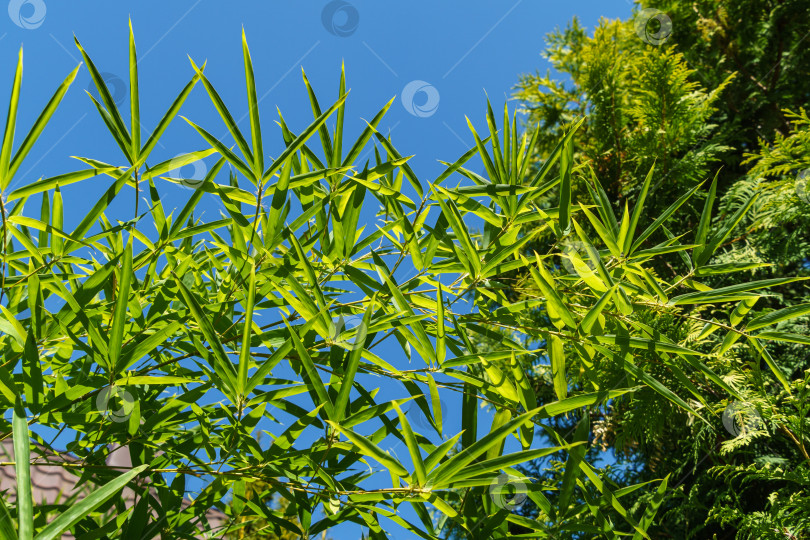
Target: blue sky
442	57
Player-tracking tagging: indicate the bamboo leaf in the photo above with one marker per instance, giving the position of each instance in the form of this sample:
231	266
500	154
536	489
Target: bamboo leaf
22	468
134	99
253	106
119	317
310	372
413	446
244	352
353	362
372	450
11	122
81	509
556	353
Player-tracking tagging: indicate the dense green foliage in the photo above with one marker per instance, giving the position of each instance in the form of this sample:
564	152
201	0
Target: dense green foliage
220	354
720	95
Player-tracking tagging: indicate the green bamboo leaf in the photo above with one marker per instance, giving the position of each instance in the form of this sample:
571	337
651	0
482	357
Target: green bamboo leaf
436	404
728	226
22	468
447	471
498	419
134	99
61	180
652	508
323	131
604	233
172	111
224	151
624	228
728	268
441	452
90	218
57	222
81	509
116	125
40	123
610	497
572	470
593	314
153	379
8	530
121	138
299	141
244	353
730	292
365	136
222	365
119	317
225	114
413	446
253	105
441	346
32	374
556	354
741	310
583	400
267	366
528	399
11	326
338	140
644	343
778	316
372	450
566	166
310	372
501	462
11	122
182	218
406	169
777	371
451	168
550	293
353	362
650	381
497	153
546	167
277	205
663	217
603	203
492	172
787	337
500	382
631	231
705	221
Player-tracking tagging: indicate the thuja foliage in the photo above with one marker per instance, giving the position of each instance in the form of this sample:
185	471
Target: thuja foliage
216	353
725	87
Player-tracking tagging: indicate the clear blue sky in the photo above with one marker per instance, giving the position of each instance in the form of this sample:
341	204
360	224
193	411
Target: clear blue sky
455	51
